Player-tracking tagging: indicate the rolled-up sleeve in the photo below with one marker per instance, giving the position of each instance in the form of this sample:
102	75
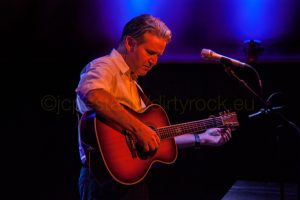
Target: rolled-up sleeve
96	75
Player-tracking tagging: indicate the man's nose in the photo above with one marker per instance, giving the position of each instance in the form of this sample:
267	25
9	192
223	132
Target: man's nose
153	60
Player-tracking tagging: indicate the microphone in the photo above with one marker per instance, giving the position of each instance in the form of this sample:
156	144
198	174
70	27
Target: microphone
210	55
263	112
260	113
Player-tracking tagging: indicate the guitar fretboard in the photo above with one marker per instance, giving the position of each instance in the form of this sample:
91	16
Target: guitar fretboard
189	127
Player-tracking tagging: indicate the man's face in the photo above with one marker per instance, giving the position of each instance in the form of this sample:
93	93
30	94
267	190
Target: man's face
142	57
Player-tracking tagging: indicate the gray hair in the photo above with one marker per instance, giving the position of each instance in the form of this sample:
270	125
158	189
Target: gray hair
141	24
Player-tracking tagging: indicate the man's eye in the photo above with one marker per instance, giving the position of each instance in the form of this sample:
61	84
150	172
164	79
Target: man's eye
150	52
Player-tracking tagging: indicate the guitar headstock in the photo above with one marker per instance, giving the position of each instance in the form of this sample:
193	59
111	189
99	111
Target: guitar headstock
229	119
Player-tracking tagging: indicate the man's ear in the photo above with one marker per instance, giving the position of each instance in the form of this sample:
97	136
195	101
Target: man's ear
130	43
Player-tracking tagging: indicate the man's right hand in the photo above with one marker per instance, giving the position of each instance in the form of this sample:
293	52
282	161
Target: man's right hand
147	138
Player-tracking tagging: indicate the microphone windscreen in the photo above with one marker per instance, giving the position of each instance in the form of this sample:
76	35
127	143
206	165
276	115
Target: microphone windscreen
206	53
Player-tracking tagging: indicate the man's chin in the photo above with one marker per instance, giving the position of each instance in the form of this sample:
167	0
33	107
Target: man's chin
143	73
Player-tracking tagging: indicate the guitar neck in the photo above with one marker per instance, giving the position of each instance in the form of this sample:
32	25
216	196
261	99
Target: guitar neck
189	127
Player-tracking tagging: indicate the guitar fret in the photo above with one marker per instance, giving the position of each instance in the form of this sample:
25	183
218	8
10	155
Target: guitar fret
189	127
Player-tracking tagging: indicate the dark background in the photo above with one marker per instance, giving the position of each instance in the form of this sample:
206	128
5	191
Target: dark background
43	49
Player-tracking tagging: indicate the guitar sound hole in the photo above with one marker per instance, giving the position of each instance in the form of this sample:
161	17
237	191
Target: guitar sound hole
142	154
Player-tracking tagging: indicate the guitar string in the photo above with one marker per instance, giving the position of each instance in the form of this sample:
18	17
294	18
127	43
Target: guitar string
189	127
196	126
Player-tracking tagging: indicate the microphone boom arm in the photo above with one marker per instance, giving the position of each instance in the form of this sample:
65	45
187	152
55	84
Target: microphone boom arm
229	71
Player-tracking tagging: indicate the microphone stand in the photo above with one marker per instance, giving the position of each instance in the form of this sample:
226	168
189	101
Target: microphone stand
230	72
268	109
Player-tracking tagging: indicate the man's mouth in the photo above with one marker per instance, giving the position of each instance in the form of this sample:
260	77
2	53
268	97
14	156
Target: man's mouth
147	67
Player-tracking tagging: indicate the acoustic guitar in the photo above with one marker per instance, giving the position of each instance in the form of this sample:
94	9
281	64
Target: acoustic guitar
124	159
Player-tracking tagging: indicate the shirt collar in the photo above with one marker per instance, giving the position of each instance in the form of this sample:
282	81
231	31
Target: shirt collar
121	64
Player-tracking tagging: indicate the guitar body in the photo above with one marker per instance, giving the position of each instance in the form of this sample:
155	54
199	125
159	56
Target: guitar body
125	162
123	158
